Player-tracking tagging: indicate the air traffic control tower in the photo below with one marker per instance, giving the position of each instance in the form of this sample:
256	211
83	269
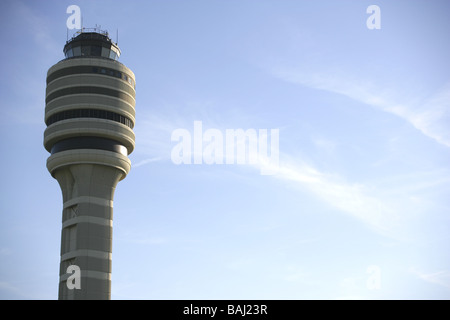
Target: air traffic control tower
89	113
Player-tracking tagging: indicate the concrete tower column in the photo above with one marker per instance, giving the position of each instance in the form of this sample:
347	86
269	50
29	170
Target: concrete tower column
90	100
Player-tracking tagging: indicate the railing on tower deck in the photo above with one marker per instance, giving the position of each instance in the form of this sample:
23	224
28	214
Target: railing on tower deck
96	29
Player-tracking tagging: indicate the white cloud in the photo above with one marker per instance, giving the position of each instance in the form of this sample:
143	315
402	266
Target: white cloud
146	161
441	278
430	116
383	205
351	198
355	199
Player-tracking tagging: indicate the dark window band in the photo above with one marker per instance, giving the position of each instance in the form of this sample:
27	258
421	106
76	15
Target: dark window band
89	143
89	113
90	89
89	70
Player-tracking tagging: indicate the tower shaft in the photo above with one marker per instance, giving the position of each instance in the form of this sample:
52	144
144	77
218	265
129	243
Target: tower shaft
87	218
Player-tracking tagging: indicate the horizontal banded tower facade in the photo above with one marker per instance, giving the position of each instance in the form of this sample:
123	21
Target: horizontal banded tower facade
90	115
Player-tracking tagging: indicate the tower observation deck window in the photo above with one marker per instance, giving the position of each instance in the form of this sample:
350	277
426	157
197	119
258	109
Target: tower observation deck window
96	51
105	52
85	50
77	51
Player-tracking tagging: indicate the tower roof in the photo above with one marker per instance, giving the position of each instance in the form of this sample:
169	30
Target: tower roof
91	43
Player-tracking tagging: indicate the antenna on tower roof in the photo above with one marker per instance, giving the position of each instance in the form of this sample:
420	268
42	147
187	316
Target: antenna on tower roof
117	36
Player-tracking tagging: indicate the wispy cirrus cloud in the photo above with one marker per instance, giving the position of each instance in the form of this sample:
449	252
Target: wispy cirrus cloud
441	278
354	199
146	161
431	116
384	207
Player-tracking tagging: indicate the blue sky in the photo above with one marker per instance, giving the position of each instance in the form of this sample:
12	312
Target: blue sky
364	150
